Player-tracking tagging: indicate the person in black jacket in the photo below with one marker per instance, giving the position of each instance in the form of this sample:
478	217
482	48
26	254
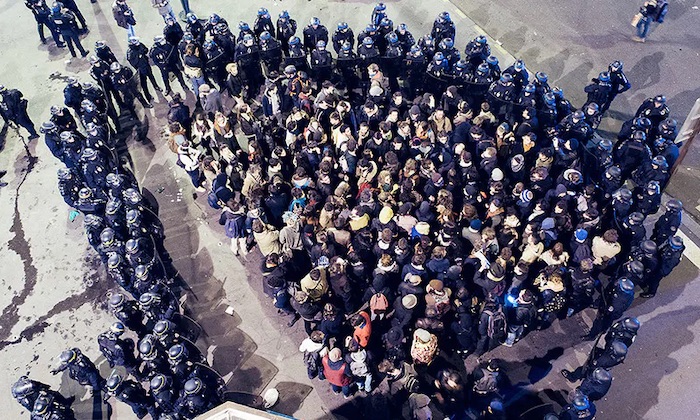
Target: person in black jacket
42	14
64	20
522	316
137	56
13	109
166	57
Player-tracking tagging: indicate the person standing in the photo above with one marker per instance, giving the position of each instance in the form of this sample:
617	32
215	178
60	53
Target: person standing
13	109
166	57
164	8
137	56
42	15
124	16
651	10
65	22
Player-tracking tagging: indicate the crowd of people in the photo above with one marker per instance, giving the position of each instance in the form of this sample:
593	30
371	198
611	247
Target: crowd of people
409	201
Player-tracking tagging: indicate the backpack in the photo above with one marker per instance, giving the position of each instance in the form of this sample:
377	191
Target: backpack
311	359
359	369
496	323
378	303
488	383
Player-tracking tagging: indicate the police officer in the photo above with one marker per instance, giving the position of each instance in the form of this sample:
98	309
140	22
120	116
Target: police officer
69	185
521	77
123	81
153	356
428	45
624	330
215	63
156	306
617	297
477	51
166	332
611	181
575	126
89	114
119	351
94	225
164	393
343	34
443	27
646	253
137	56
81	369
42	14
180	364
50	405
447	48
667	148
121	272
172	31
599	91
621	205
109	244
65	22
667	225
120	183
368	54
248	59
618	83
95	170
263	23
127	311
194	27
632	153
391	60
632	231
437	72
596	384
670	254
286	28
71	150
13	109
612	355
655	109
51	138
406	38
195	398
313	33
501	95
243	30
378	13
414	66
321	62
132	394
104	52
26	391
213	20
648	200
88	203
166	58
270	52
296	56
115	217
346	65
100	71
580	409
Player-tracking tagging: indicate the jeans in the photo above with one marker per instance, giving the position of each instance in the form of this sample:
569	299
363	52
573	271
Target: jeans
170	13
130	32
196	177
365	383
643	27
345	389
185	5
196	83
514	334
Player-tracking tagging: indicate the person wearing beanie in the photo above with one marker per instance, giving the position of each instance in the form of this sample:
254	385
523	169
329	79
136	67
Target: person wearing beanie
473	232
492	281
580	246
337	372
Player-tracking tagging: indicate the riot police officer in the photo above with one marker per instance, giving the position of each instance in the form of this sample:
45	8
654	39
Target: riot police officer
123	81
612	355
95	170
296	56
172	31
104	52
648	200
127	311
477	51
26	391
596	384
164	393
618	83
63	119
617	297
132	394
94	225
313	33
119	351
342	35
42	14
153	356
156	306
166	58
632	231
121	272
624	330
137	56
88	203
65	22
667	225
347	66
443	27
656	110
196	398
270	52
81	369
263	23
599	90
414	66
286	28
321	62
50	405
580	409
670	254
109	244
52	138
248	59
215	63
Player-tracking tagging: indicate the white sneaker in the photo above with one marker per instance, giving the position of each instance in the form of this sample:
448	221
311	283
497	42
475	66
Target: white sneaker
201	189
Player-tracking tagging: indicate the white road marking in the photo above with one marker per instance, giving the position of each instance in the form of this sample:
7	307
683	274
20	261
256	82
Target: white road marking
692	251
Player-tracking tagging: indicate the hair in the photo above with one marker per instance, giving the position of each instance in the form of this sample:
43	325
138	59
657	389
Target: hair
610	235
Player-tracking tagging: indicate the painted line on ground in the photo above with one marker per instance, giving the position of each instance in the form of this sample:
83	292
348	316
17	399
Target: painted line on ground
692	251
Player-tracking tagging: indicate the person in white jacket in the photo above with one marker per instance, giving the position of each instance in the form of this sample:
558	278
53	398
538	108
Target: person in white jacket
314	349
188	158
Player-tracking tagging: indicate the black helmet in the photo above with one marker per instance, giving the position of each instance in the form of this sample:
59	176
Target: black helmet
113	382
579	115
602	375
107	236
631	324
636	267
85	193
93	221
116	300
636	218
649	247
177	353
674	205
642	123
660	161
619	348
625	194
133	195
193	386
614	171
114	260
625	285
639	135
606	145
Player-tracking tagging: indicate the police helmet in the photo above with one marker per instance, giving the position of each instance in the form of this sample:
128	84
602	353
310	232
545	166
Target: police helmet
55	109
87	85
380	7
114	260
541	77
90	127
85	193
132	246
93	59
558	92
481	40
461	64
116	300
660	99
492	60
530	88
519	65
642	123
47	126
392	38
447	43
117	327
604	76
113	206
73	81
579	115
115	67
22	388
87	105
592	108
602	375
581	402
147	299
113	180
402	27
631	324
191	17
134	40
506	78
676	242
113	382
636	267
616	65
146	347
654	187
660	161
550	98
133	195
625	285
619	348
636	218
107	236
445	17
668	124
133	216
648	247
483	69
68	356
169	20
606	145
89	154
370	28
385	23
65	174
614	171
209	44
321	45
214	19
158	382
639	135
162	327
243	26
193	386
177	352
315	21
141	272
41	405
368	41
187	37
284	14
294	41
248	39
674	205
625	194
265	36
342	26
439	57
262	11
415	49
346	46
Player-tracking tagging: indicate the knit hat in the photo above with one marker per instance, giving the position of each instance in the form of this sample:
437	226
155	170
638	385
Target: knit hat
386	214
526	196
496	272
581	235
497	175
335	355
409	301
548	223
422	335
475	225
